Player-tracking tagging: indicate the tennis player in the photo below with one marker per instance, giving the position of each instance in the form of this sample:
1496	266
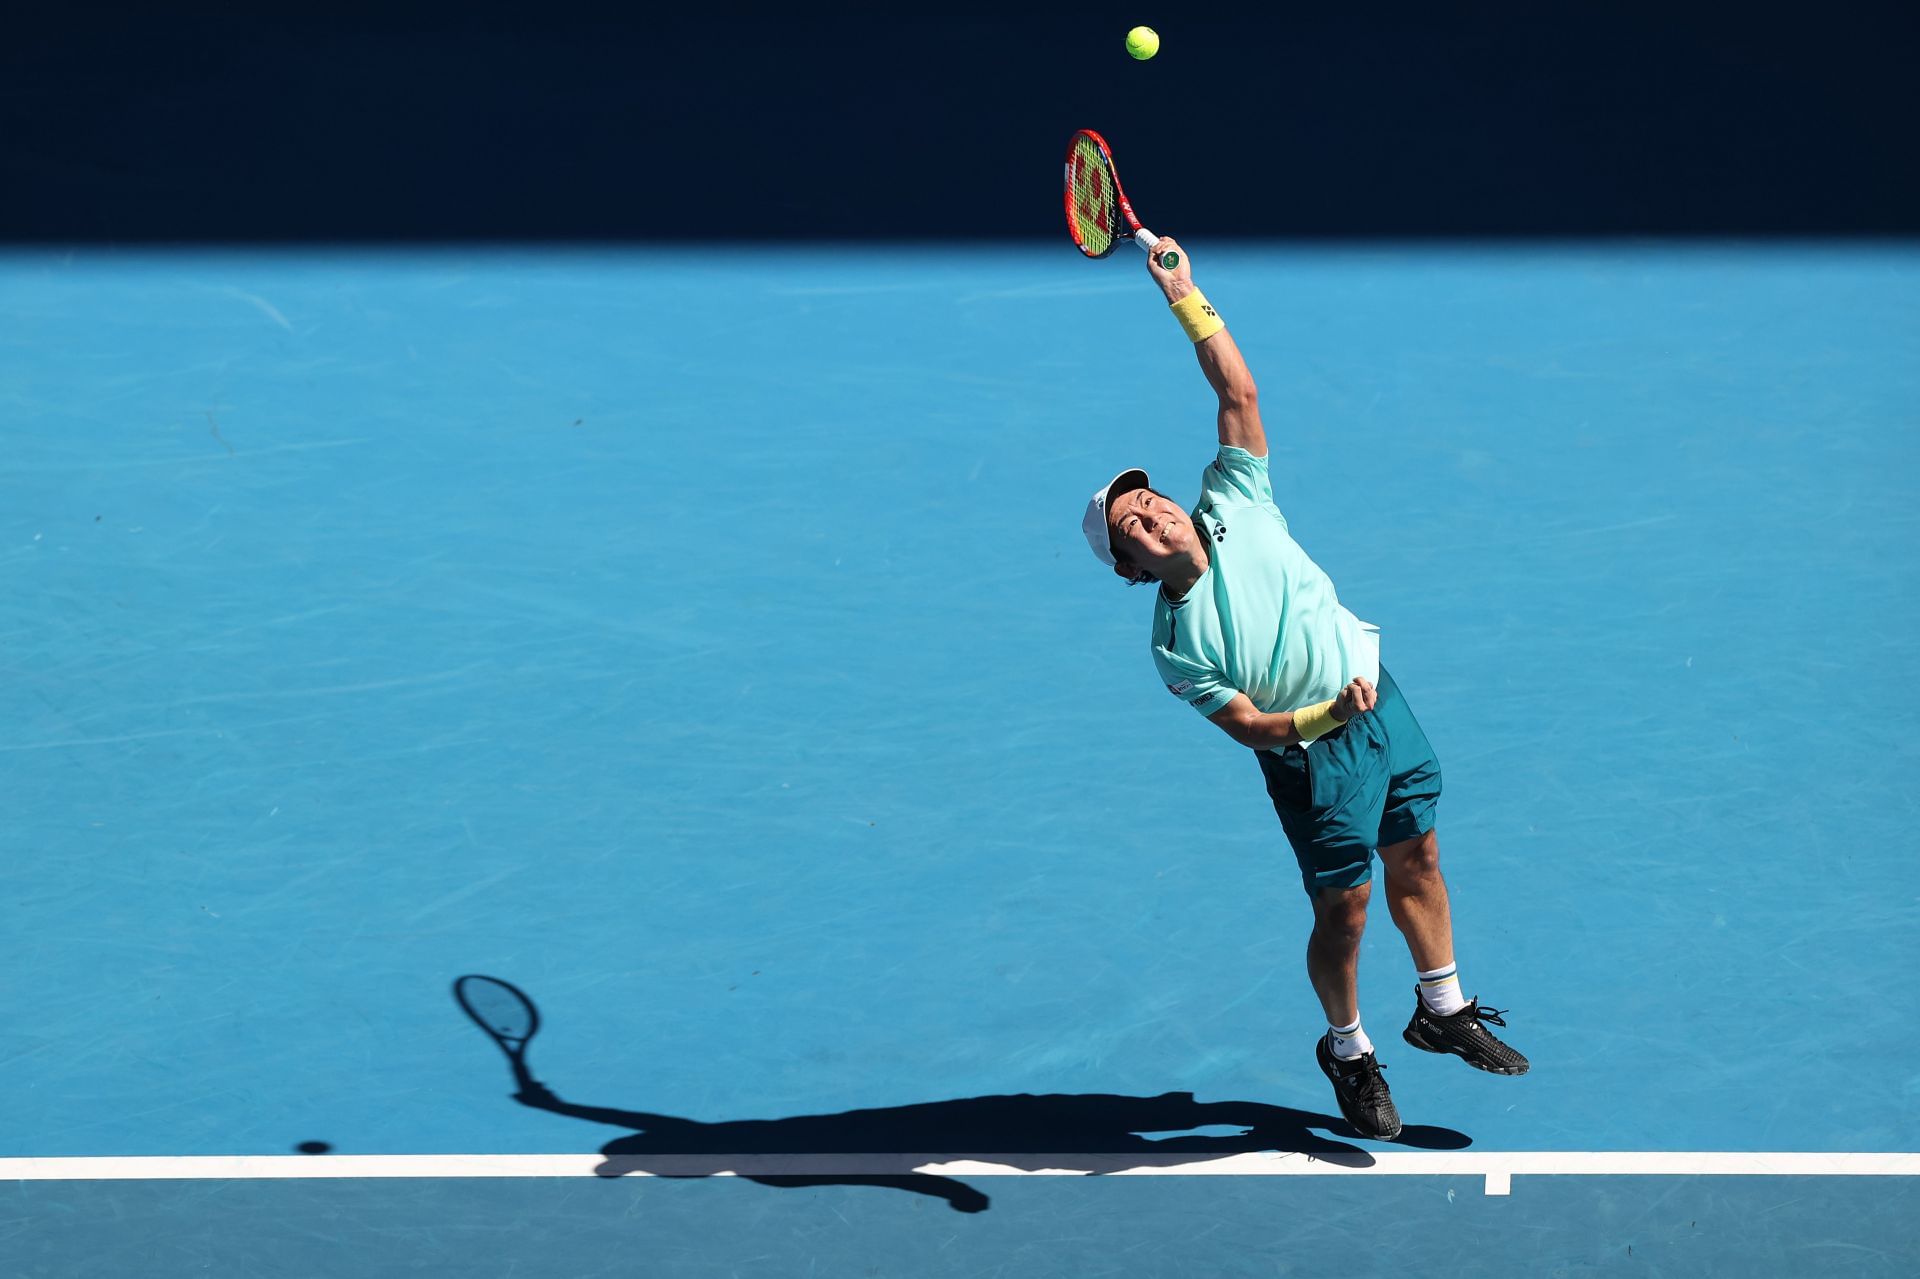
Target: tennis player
1248	631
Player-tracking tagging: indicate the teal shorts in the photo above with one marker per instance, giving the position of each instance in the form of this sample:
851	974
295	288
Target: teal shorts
1372	781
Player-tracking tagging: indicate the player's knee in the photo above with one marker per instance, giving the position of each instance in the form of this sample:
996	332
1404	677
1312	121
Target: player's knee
1417	861
1340	915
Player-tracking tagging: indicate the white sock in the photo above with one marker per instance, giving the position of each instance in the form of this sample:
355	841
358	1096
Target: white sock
1348	1042
1440	990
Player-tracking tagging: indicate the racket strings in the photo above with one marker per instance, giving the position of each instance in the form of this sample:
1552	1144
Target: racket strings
1093	206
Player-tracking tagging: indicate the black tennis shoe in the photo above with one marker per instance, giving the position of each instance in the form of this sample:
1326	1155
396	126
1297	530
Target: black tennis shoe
1465	1035
1361	1092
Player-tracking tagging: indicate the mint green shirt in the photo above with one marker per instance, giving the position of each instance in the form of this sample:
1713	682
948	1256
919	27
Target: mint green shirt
1263	619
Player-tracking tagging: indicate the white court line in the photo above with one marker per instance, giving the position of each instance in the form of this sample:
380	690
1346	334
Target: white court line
1498	1167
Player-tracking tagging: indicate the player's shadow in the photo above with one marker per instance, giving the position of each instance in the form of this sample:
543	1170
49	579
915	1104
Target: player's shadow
1084	1132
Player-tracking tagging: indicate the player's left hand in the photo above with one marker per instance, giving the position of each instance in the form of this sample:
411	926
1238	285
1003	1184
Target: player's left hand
1356	698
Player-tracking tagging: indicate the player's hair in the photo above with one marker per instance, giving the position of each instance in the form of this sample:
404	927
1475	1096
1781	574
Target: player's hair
1139	576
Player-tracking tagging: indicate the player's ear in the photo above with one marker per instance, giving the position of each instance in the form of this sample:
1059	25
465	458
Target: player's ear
1132	575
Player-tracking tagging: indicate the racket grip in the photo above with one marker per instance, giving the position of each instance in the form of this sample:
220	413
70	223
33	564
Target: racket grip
1146	240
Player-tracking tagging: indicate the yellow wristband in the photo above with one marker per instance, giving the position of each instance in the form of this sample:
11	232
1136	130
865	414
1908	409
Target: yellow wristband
1315	721
1196	317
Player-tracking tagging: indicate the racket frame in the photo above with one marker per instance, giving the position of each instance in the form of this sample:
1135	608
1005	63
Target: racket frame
1126	225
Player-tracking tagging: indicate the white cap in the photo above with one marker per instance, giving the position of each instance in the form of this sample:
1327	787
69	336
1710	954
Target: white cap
1094	523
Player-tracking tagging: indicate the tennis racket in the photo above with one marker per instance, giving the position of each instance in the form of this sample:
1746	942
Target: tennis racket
507	1015
1098	213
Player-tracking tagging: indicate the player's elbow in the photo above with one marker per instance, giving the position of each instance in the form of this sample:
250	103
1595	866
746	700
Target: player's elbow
1238	394
1242	734
1237	722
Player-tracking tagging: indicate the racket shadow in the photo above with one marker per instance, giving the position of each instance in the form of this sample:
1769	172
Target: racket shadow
1091	1133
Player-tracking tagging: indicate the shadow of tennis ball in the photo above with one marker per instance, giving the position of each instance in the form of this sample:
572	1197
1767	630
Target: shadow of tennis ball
314	1147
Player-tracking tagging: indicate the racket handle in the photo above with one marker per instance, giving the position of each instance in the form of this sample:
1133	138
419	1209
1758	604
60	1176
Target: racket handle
1147	239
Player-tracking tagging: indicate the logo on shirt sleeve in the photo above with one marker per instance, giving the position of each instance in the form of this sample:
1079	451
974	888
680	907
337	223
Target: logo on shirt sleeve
1181	689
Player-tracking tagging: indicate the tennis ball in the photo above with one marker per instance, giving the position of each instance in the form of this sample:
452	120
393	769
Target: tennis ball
1143	42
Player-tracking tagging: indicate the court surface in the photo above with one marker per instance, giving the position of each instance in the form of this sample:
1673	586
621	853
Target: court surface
703	640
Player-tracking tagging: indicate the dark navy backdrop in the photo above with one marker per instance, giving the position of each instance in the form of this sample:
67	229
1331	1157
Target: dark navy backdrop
222	121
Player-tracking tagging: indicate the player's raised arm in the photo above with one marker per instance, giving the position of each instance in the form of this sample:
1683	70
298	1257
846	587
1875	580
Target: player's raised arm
1220	357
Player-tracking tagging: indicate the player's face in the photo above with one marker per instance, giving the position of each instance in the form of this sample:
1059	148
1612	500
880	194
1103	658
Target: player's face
1149	528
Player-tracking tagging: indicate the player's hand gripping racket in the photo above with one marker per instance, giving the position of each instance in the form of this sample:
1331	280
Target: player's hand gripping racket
508	1017
1098	214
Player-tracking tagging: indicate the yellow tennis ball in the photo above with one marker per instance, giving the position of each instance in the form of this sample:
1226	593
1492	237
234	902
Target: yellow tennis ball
1143	42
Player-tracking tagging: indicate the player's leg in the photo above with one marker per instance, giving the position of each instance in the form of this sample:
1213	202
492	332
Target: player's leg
1316	806
1336	868
1444	1020
1344	1053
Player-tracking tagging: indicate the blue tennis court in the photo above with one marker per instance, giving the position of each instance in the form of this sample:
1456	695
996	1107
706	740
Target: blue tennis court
704	642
